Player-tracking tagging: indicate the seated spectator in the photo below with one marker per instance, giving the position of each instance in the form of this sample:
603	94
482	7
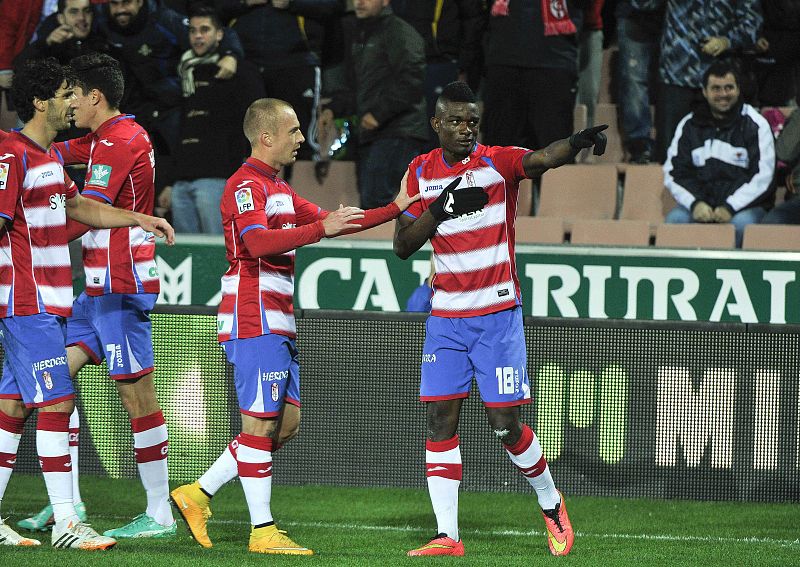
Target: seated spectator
787	150
721	162
212	145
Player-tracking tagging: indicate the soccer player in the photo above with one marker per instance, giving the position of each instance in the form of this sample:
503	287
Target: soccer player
111	318
36	197
264	221
475	327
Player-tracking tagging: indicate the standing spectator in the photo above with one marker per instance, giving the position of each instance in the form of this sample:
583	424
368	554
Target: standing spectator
212	145
787	150
452	30
638	35
777	61
18	21
721	162
475	326
590	58
385	68
537	52
273	36
696	32
265	221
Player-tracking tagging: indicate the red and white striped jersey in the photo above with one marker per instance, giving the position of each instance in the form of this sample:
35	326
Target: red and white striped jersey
120	172
257	292
476	271
35	273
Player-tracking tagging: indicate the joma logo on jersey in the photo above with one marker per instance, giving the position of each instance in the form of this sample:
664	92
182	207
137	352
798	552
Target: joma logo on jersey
288	225
114	357
100	175
433	188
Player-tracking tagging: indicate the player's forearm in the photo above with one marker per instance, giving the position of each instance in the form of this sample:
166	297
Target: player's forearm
264	242
98	215
556	154
411	237
374	217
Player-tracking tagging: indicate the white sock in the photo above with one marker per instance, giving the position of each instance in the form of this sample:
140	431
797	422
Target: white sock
150	448
254	459
223	470
74	438
527	455
52	446
10	433
443	470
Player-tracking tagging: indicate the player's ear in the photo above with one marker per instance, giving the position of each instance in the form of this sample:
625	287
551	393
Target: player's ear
435	122
266	139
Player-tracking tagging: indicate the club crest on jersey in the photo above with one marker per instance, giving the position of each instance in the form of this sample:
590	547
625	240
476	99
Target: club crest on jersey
48	380
244	200
100	175
470	178
275	391
4	167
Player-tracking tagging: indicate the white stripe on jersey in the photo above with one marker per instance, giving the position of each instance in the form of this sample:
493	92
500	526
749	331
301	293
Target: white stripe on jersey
472	300
49	256
224	323
275	282
279	204
96	238
143	271
50	173
92	273
56	296
137	236
490	216
5	295
473	260
230	284
45	217
279	321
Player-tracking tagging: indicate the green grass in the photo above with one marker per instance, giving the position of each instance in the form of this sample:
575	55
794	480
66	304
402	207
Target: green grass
376	526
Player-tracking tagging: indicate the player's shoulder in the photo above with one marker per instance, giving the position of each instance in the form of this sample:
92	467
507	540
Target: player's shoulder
499	151
424	162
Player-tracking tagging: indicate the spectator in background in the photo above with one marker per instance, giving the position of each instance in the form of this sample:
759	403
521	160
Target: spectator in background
696	33
590	58
777	61
385	69
721	162
787	150
420	298
18	21
638	35
531	72
274	39
212	145
150	39
452	30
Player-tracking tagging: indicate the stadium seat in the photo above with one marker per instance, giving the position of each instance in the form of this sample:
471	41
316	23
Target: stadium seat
579	192
771	237
540	230
643	195
338	187
611	232
695	235
606	113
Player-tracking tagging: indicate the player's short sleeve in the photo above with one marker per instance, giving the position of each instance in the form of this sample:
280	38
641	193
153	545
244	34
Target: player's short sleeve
72	151
11	176
507	161
305	211
70	189
110	168
245	201
412	186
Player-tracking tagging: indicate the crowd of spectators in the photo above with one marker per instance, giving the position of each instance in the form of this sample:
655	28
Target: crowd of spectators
373	69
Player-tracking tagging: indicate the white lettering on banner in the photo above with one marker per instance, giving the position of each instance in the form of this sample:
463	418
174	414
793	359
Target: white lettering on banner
597	276
176	284
541	274
742	307
308	283
778	280
695	419
765	419
660	278
376	275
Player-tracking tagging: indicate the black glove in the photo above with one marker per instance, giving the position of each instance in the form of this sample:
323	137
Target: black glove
454	202
590	137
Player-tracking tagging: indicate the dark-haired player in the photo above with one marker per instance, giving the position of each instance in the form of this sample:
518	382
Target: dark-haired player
475	327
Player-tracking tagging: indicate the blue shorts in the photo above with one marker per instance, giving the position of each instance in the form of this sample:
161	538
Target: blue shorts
266	373
35	366
490	347
116	327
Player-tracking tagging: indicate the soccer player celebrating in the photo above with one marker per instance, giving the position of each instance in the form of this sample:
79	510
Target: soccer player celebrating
264	221
475	327
111	318
36	197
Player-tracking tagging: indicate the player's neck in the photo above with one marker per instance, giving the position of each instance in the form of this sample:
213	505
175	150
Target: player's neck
267	159
451	158
102	117
38	131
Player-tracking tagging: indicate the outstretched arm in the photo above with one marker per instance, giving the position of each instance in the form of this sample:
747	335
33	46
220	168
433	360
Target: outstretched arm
564	151
98	215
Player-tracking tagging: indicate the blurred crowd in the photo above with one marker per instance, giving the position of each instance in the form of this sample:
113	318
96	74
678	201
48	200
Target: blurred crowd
363	75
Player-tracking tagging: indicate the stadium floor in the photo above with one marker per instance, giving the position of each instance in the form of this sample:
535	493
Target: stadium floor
376	526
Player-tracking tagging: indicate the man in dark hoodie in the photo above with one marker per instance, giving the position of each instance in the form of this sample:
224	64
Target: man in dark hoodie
721	162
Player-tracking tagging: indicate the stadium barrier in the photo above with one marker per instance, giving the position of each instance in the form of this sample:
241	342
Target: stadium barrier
622	408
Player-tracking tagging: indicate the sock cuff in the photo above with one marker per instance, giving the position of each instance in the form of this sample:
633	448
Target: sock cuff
139	424
256	442
11	424
442	446
52	421
523	443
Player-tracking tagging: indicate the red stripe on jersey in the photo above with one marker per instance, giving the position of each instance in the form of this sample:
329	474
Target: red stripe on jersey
152	453
470	240
61	463
444	470
478	279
